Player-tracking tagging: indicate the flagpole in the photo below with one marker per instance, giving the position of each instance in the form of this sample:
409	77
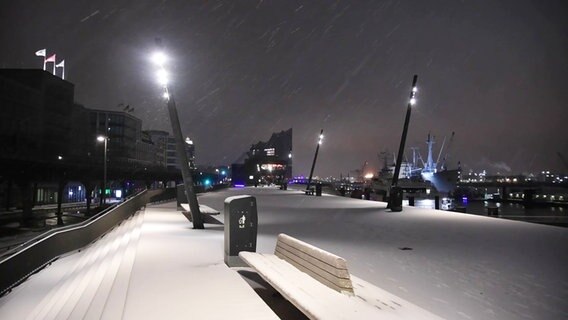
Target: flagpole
42	53
63	72
54	67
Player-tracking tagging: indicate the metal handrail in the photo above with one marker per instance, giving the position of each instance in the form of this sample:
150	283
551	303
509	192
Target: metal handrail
28	242
40	251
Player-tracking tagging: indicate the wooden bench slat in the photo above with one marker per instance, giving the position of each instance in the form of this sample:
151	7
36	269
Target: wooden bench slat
329	258
327	268
299	254
341	284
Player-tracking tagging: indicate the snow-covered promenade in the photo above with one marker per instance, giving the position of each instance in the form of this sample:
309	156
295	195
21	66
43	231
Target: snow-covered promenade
460	266
457	266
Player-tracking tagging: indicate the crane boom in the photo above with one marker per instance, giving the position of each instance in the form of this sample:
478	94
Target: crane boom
446	156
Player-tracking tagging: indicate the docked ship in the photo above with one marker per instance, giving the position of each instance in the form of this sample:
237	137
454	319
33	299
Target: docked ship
421	180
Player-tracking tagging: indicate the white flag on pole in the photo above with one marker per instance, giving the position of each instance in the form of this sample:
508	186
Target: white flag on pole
41	53
52	59
61	65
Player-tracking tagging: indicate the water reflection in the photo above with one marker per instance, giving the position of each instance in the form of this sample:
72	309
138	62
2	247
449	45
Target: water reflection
554	215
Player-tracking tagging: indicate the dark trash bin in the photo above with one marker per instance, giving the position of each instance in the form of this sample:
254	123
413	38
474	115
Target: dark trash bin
367	194
318	189
241	228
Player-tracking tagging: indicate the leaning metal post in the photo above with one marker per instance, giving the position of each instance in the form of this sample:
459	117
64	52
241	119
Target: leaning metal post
314	162
394	184
196	217
184	164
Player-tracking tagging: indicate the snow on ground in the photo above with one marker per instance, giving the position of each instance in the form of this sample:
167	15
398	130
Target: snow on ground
455	265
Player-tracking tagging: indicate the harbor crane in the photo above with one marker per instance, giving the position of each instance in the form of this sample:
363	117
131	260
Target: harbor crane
443	166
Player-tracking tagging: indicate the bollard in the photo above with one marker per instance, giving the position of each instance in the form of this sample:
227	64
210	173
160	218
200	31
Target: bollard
241	227
396	195
411	201
318	189
437	202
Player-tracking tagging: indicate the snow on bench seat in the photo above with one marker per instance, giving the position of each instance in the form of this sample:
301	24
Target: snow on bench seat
318	283
202	208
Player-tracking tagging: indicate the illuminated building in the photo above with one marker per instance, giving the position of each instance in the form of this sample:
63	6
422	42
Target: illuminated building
267	162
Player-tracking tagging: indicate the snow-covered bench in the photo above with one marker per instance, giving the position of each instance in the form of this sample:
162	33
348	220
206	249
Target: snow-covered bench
203	209
318	283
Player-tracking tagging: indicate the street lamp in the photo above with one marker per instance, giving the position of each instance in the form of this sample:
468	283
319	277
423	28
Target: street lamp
395	199
320	140
160	59
105	140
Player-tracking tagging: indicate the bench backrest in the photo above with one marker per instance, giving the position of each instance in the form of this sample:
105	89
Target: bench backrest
327	268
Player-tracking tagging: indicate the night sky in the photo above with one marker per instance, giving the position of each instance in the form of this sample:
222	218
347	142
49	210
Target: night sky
492	71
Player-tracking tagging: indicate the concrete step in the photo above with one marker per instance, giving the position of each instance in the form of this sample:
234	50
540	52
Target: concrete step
99	301
51	297
58	296
105	273
116	298
70	296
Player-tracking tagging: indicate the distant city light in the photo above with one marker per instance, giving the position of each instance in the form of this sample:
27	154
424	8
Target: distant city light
59	158
369	176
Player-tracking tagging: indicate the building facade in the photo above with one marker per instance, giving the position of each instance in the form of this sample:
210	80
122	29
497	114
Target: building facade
268	162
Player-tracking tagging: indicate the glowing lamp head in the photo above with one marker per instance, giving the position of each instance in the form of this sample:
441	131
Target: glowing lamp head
159	58
414	89
163	77
412	101
166	96
320	139
101	138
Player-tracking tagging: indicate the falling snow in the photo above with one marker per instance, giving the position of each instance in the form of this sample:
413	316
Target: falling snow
490	71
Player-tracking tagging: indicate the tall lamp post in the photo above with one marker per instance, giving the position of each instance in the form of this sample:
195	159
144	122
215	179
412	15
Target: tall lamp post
105	140
159	59
320	140
395	199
